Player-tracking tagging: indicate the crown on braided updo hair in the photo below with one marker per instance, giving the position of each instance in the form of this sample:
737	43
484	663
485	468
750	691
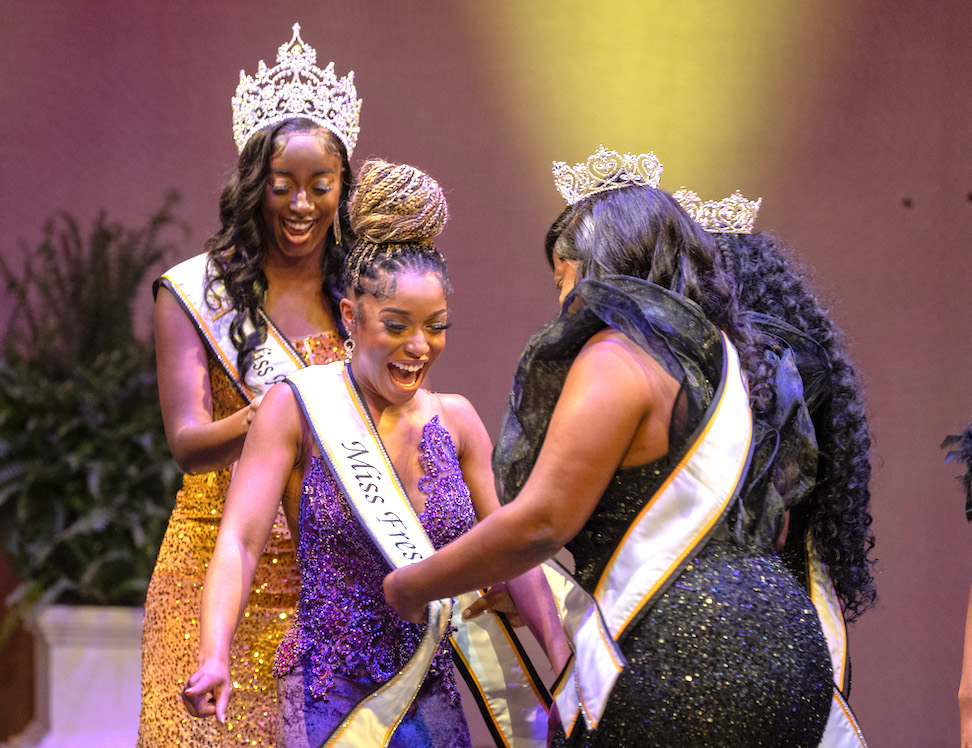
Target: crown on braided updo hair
396	211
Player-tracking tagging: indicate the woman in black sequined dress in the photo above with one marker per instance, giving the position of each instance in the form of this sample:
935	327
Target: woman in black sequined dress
610	404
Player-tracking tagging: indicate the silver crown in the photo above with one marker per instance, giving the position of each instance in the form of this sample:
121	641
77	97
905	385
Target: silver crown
296	87
606	170
731	215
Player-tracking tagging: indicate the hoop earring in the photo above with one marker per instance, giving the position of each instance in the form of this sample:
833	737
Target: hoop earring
348	349
336	227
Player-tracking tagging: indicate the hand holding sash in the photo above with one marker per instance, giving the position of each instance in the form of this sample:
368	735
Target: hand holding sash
497	599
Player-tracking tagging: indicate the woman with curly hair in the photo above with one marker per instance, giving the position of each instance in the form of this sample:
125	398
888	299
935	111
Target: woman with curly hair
258	304
627	440
837	512
769	287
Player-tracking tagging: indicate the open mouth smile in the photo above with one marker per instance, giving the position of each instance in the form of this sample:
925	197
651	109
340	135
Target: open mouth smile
405	375
298	228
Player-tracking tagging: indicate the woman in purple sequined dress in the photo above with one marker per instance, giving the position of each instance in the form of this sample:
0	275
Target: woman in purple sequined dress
346	640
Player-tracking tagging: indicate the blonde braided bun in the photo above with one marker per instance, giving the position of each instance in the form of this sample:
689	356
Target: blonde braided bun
396	212
396	203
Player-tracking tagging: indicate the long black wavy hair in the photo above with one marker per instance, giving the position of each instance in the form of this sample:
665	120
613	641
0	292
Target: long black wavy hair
643	232
839	511
238	250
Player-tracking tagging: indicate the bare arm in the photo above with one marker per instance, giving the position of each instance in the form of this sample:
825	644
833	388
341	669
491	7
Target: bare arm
269	457
198	443
965	685
530	592
600	409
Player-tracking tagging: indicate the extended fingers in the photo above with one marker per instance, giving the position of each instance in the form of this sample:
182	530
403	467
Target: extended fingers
497	599
479	606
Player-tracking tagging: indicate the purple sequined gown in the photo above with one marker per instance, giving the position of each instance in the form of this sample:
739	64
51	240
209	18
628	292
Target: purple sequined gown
345	638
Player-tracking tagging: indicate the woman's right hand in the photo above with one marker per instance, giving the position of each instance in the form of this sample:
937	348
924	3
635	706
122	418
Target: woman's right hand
208	690
198	443
252	408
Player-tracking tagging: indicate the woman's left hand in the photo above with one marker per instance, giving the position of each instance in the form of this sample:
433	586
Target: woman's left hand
395	594
497	599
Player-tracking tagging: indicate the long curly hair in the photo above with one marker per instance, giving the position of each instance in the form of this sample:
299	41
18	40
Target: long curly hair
238	250
643	232
396	212
839	511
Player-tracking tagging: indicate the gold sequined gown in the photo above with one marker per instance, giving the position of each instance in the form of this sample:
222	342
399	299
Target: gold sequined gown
170	639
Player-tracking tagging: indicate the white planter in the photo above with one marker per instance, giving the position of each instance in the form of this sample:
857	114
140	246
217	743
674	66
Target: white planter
87	673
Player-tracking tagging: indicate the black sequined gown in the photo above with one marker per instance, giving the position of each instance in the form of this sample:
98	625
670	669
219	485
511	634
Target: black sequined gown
731	653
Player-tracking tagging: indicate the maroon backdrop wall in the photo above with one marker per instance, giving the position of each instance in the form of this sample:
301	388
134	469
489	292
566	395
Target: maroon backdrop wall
104	106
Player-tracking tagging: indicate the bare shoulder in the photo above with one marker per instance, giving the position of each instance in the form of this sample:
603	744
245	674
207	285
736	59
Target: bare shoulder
454	406
172	325
608	342
278	412
611	356
280	395
459	418
613	371
279	421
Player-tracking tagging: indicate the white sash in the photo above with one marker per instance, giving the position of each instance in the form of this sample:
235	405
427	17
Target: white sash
510	694
824	597
842	728
671	526
502	682
273	360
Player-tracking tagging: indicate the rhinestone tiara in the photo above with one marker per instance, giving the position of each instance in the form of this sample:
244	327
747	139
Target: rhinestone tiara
606	170
296	87
731	215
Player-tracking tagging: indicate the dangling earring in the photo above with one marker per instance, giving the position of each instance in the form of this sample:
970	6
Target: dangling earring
336	226
348	349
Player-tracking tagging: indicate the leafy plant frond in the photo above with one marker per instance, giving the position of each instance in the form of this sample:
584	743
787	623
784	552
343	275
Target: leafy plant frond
86	478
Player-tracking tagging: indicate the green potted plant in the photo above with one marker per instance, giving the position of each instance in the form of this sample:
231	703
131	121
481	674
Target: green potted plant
86	479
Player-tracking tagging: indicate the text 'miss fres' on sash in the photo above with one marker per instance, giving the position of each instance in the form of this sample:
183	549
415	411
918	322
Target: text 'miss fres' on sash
503	682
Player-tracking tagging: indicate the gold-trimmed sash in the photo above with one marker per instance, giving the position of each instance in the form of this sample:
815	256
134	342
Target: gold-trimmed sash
273	360
824	598
842	730
500	676
671	527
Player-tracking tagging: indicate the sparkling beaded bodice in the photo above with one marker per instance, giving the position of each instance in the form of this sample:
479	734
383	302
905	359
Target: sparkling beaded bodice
343	625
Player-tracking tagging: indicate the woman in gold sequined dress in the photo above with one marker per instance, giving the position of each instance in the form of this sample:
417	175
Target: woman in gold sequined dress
257	305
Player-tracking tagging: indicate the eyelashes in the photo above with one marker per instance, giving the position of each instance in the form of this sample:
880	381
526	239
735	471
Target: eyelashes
286	188
399	328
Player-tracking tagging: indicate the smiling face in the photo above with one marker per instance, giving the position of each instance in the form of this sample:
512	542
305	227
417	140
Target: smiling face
397	337
301	197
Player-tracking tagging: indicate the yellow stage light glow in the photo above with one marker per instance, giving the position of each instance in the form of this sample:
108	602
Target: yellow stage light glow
701	83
